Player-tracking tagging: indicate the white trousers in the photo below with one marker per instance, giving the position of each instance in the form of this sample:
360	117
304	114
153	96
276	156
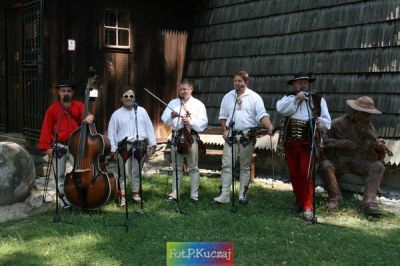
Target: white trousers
242	159
60	166
131	170
193	163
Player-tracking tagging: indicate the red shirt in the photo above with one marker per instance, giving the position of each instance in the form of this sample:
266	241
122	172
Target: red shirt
69	121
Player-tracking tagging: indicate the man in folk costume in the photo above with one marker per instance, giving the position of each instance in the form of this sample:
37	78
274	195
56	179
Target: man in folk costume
352	146
61	119
301	108
122	126
245	109
194	119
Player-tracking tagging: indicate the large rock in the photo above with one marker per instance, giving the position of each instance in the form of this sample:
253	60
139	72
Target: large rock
17	173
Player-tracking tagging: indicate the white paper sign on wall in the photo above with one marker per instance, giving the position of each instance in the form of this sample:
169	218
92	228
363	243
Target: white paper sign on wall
71	45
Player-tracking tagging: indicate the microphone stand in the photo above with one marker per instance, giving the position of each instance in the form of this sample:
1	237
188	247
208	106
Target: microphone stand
313	153
127	220
140	160
49	168
231	140
175	142
57	153
119	158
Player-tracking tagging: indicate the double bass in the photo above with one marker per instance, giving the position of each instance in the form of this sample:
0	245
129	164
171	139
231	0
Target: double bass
88	186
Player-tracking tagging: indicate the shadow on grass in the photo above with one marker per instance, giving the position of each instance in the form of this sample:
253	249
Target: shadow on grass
22	258
263	232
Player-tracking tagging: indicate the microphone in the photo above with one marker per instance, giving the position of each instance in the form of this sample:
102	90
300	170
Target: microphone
135	105
181	99
303	89
240	86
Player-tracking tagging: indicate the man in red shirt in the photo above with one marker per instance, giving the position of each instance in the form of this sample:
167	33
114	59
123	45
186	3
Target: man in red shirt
61	119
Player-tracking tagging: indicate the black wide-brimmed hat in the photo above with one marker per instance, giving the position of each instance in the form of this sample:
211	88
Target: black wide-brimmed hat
301	76
65	83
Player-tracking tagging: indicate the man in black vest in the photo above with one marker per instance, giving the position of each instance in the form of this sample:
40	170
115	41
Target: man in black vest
302	110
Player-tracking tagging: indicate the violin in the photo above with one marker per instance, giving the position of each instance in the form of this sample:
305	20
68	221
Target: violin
88	185
184	139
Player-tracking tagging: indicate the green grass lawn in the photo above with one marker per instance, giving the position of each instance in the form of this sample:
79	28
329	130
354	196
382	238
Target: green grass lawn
263	232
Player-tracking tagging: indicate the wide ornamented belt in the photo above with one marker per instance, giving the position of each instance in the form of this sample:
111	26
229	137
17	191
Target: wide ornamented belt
241	136
192	132
298	130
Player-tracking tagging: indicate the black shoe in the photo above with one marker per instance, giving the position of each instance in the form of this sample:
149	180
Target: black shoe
214	202
194	200
243	201
296	209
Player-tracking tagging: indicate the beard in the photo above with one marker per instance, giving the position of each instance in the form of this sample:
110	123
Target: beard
66	98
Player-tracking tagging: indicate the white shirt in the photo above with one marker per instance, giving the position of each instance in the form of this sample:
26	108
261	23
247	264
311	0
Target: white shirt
289	106
122	124
247	114
196	108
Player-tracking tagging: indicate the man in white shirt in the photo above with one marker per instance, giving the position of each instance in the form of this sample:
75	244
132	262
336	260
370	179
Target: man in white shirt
122	126
300	108
193	117
245	109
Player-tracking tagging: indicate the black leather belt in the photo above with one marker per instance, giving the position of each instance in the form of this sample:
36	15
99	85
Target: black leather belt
143	141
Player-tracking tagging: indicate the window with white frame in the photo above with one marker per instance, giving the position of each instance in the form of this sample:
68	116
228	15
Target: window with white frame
116	28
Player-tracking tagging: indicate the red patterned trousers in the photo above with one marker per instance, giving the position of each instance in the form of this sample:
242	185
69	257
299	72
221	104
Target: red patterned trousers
297	155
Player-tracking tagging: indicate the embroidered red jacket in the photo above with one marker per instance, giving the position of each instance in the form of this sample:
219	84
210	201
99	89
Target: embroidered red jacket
69	121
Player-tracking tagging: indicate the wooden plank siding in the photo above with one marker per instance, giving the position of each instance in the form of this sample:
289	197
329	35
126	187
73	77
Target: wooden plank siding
351	47
3	79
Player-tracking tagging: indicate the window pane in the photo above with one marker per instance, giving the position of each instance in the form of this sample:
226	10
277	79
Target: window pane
123	19
110	37
110	18
117	28
123	37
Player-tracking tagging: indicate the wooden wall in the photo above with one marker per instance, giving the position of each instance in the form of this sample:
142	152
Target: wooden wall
351	47
155	60
2	71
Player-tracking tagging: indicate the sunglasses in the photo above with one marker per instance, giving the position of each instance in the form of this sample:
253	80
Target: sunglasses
129	96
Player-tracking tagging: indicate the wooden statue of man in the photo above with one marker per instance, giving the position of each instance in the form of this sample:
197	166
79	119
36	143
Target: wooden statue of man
352	146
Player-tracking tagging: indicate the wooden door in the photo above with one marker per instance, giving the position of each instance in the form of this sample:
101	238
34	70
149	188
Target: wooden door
14	86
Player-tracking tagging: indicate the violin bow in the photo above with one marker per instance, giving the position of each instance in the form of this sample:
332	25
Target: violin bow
152	94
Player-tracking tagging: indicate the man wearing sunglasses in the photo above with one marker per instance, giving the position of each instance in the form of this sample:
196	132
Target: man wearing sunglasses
131	123
60	120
